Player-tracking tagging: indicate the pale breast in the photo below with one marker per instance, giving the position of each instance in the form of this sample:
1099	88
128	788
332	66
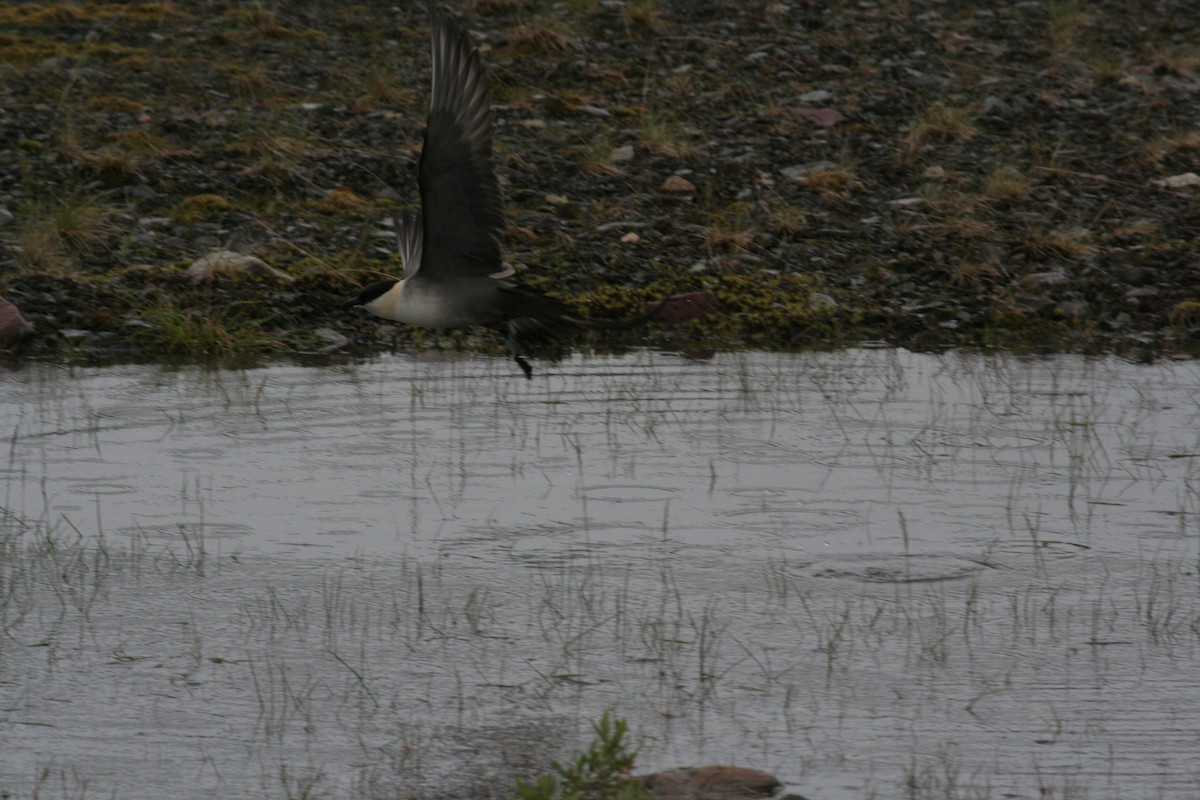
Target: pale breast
415	305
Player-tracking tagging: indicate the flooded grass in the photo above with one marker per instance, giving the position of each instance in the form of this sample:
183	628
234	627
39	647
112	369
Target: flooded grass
872	573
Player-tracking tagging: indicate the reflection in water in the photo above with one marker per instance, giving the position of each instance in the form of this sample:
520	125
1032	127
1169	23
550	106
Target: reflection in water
861	570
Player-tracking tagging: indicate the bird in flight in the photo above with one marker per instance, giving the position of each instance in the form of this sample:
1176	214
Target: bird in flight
453	273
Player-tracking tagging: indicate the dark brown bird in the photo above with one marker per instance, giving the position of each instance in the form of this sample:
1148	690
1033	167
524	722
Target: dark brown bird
453	273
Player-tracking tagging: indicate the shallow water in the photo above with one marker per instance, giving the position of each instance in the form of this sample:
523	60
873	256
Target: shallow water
871	572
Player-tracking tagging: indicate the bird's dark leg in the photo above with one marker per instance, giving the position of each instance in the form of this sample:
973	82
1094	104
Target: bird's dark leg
511	342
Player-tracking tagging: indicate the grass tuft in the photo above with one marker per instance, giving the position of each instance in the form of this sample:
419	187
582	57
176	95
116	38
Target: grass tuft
834	183
56	238
665	138
644	18
1007	183
199	206
543	35
196	332
940	124
599	773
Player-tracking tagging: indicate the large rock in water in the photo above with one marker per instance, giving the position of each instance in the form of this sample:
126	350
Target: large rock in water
711	783
12	323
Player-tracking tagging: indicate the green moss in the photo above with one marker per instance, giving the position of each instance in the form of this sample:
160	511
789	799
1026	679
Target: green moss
198	206
343	202
1185	312
15	49
112	102
39	14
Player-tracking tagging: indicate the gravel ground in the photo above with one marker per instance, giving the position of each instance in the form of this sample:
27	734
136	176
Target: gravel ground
926	173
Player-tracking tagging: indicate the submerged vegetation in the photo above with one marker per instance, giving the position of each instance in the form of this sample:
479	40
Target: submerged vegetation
913	172
934	577
601	772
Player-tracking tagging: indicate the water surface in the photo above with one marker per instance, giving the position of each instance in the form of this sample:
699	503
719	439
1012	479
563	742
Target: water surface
870	572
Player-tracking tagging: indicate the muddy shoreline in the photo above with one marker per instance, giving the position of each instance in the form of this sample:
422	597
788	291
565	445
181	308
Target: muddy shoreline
912	173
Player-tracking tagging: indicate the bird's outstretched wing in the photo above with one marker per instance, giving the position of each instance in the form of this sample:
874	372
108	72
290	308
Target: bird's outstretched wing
411	241
461	212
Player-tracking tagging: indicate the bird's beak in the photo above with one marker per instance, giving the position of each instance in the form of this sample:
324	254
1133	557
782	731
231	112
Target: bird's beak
351	303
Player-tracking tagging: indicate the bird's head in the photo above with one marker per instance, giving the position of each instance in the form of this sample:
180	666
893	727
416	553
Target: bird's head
371	291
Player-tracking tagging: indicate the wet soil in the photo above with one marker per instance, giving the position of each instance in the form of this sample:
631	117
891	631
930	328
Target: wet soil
926	173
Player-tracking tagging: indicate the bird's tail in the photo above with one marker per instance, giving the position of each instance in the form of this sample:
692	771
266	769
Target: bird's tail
536	318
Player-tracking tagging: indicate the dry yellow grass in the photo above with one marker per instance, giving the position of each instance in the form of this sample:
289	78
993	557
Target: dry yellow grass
1006	183
664	137
198	206
546	35
832	184
1071	244
940	124
54	238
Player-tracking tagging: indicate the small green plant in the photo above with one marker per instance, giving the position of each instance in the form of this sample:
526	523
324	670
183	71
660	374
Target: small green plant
599	773
194	332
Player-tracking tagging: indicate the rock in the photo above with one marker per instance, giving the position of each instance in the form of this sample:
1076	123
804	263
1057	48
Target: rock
1133	274
12	322
802	171
711	783
678	183
994	106
1031	303
630	238
1073	308
206	240
1119	321
682	307
821	117
1181	181
815	96
621	154
1054	277
335	340
818	301
1141	292
229	262
593	111
139	191
631	224
6	216
789	794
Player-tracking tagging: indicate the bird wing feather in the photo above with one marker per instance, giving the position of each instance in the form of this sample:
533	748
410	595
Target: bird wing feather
410	239
462	215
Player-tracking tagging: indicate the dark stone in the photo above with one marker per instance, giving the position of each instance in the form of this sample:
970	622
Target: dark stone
711	783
